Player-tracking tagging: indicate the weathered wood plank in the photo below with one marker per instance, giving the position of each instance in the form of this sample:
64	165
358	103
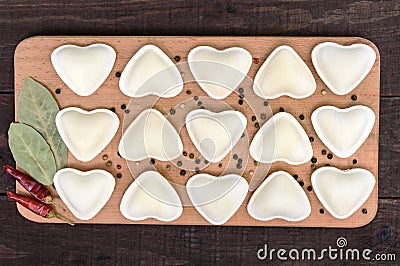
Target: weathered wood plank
24	241
375	20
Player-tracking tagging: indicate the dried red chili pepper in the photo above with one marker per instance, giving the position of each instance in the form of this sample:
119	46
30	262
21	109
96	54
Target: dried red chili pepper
36	189
36	206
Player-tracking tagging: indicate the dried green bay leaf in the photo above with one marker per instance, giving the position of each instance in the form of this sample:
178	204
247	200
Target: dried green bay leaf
32	153
38	109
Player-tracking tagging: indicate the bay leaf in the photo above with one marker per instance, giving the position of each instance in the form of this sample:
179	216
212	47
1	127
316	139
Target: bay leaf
32	153
38	109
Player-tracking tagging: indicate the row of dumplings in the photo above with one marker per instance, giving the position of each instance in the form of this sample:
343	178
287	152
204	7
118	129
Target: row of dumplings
216	198
218	72
151	135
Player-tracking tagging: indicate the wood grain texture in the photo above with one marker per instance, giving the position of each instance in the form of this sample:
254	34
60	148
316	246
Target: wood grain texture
23	241
375	20
38	66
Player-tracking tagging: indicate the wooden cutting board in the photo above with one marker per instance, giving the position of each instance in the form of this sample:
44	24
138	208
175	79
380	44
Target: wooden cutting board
32	58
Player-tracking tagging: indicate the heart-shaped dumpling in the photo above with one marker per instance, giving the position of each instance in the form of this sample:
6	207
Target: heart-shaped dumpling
279	196
151	196
85	133
151	72
343	131
150	135
342	68
342	192
219	72
217	198
84	193
83	69
281	138
284	73
215	134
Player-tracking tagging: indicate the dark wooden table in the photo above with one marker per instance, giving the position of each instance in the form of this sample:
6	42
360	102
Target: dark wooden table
24	242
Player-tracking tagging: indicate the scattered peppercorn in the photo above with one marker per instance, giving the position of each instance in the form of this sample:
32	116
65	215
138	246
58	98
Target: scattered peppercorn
182	173
313	160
